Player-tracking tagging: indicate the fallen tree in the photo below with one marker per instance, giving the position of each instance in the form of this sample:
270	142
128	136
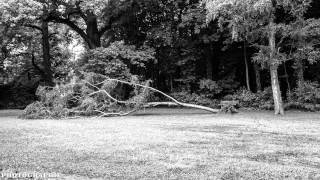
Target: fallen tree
94	94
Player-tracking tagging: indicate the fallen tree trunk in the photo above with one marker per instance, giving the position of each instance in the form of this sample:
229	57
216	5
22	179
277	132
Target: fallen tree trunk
104	114
151	104
155	104
94	95
171	98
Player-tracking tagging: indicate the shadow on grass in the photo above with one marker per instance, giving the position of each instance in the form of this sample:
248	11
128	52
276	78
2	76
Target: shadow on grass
206	129
276	157
141	113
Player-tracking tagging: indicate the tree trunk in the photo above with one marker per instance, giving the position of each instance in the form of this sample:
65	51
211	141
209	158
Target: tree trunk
46	53
2	58
246	65
92	32
287	78
278	104
300	72
98	91
209	67
91	35
258	77
171	83
299	61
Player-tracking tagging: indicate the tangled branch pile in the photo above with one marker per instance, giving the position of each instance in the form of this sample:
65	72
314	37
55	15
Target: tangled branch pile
89	95
94	94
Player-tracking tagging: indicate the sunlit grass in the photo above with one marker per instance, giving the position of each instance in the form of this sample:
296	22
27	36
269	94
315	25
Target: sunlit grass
166	144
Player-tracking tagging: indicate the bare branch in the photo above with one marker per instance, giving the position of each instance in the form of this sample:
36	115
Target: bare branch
72	25
162	93
105	92
34	27
103	114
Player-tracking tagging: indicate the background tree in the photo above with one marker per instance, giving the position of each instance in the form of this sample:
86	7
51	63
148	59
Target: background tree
29	16
197	52
257	15
304	47
91	19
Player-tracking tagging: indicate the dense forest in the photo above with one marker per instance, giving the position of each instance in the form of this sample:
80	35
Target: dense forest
90	56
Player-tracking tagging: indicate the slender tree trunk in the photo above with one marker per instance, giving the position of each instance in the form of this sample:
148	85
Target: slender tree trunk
258	77
46	53
287	77
171	83
3	74
300	72
278	104
209	68
247	65
299	61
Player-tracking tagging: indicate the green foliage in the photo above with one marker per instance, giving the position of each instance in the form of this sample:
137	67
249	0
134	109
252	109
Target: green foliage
249	20
228	84
216	88
210	86
99	61
262	57
114	60
53	103
101	9
89	95
229	106
309	92
181	45
248	99
208	93
305	97
15	39
36	110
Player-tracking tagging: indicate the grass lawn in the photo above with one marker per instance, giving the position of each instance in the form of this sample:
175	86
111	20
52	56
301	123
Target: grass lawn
165	144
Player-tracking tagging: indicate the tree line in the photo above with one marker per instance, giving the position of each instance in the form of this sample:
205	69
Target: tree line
211	47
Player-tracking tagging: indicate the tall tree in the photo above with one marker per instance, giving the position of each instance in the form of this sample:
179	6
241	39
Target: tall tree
27	18
246	64
91	19
304	34
258	15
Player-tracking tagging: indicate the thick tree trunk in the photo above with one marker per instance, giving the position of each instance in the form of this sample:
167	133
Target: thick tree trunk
46	53
246	65
91	35
278	104
92	32
258	77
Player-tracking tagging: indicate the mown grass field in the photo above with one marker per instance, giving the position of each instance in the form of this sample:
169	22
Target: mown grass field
165	144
